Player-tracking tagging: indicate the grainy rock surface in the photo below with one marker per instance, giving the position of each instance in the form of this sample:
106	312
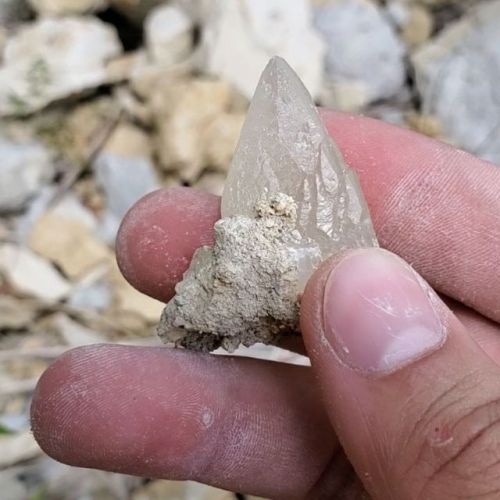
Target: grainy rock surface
244	289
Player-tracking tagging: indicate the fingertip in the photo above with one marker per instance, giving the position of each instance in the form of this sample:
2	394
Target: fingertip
159	235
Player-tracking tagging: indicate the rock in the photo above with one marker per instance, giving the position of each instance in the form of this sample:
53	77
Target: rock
281	146
74	334
458	80
183	111
69	244
53	59
220	138
25	167
129	300
211	182
363	49
15	313
240	36
414	21
125	173
289	203
169	34
29	274
94	296
66	7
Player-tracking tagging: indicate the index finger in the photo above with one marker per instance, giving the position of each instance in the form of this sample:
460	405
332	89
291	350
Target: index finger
436	206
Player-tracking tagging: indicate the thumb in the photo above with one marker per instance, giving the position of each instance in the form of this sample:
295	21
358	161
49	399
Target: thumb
414	400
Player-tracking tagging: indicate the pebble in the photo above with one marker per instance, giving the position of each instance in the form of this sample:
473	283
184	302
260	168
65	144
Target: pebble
31	275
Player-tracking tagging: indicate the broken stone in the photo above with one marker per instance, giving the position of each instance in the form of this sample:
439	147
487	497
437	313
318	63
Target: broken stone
125	172
413	20
16	313
31	275
458	80
69	244
240	36
52	59
66	7
290	202
169	34
183	110
220	139
25	167
211	182
359	38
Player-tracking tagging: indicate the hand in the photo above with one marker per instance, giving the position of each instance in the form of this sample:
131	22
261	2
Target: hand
403	398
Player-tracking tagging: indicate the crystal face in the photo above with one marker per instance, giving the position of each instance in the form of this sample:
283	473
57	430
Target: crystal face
285	148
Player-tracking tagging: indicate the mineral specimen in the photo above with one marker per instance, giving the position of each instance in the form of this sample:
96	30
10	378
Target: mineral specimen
290	201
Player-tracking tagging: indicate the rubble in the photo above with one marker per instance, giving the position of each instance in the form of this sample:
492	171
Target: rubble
363	53
36	59
25	166
239	38
457	80
66	7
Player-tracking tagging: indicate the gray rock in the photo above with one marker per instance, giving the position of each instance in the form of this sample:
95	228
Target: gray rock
124	181
25	167
363	52
240	36
457	75
94	296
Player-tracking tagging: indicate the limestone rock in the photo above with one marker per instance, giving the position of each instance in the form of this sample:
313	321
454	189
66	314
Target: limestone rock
211	182
66	7
290	201
183	110
125	173
69	244
169	34
53	59
29	274
25	167
457	79
414	21
220	139
240	36
363	49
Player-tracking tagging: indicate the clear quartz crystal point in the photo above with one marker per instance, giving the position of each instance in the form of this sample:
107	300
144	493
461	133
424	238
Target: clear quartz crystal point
285	148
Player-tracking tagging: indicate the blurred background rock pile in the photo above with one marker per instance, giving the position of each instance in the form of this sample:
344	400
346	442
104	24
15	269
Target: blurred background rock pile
103	101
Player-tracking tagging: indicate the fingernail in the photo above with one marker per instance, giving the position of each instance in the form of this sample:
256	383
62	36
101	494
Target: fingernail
379	315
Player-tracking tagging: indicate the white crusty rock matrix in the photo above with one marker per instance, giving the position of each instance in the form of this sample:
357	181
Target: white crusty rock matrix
289	202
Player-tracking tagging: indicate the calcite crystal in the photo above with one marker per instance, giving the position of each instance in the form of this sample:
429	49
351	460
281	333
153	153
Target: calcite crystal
289	202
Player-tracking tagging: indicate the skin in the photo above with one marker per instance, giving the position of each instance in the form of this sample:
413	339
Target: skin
292	432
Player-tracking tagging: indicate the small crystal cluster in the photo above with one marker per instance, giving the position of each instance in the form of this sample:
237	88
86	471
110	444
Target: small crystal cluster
290	201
